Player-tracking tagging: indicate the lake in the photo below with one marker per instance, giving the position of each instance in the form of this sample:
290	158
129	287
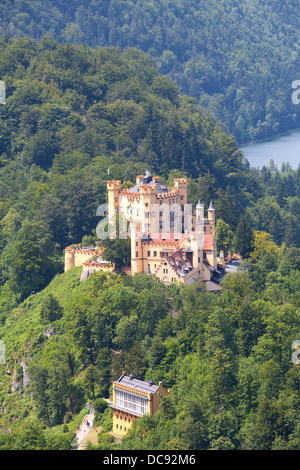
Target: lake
283	148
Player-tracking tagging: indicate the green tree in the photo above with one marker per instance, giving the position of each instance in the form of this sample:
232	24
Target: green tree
51	309
243	238
224	236
31	259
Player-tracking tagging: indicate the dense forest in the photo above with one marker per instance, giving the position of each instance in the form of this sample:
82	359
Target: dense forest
226	358
75	117
238	59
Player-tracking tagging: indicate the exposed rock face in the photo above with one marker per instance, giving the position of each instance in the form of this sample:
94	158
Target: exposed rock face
15	383
49	332
25	375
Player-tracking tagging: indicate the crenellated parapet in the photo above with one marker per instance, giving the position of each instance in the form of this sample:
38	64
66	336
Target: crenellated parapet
180	183
114	185
76	255
172	192
147	189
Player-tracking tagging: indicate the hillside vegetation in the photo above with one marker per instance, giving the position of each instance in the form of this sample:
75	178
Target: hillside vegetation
238	59
227	358
74	118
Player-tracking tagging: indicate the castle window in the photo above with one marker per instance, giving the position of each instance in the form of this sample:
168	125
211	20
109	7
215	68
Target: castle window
121	428
130	210
155	253
148	253
146	215
117	426
136	243
147	227
181	197
125	429
137	254
146	205
138	212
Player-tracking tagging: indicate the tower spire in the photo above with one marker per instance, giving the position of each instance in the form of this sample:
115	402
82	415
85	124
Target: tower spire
211	206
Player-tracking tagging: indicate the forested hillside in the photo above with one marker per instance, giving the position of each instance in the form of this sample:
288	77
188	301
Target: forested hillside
75	117
238	59
227	359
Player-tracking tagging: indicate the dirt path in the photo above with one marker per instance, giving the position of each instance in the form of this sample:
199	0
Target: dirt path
84	429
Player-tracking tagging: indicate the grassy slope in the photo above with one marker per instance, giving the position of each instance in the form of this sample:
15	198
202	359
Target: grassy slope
23	337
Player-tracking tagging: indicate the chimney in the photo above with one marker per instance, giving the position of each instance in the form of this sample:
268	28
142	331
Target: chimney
139	179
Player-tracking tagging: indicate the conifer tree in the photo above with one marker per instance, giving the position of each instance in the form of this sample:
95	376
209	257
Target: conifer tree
243	238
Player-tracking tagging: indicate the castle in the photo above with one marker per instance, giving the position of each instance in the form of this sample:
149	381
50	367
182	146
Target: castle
168	239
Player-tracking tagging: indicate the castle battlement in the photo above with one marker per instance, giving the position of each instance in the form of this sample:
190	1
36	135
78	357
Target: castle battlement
77	255
171	193
160	243
146	189
113	185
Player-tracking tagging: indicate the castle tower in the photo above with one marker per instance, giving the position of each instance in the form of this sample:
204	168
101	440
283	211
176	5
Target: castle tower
199	234
212	215
212	219
113	189
181	185
69	259
136	247
194	248
148	198
200	217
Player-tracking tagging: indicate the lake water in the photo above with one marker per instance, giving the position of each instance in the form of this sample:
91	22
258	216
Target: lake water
283	148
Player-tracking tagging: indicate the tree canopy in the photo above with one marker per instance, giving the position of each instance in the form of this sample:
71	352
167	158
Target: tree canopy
239	59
